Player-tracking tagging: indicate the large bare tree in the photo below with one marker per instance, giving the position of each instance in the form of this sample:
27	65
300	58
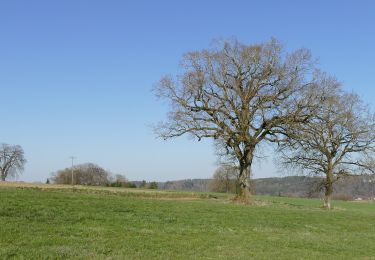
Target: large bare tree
241	95
337	142
12	160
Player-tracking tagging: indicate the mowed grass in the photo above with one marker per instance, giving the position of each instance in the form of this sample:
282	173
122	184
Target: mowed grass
47	222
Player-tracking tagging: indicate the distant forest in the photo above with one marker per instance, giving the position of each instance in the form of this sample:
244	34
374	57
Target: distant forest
348	188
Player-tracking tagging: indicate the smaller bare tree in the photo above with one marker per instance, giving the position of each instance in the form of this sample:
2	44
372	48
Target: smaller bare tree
12	160
337	142
225	179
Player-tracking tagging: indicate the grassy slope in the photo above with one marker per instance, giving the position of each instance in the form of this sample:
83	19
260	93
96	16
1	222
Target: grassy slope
85	223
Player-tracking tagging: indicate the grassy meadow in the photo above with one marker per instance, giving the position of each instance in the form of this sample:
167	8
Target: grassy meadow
59	222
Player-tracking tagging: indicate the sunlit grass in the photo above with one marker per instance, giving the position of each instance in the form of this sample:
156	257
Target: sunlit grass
61	222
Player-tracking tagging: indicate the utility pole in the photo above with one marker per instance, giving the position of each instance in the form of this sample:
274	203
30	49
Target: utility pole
72	157
372	182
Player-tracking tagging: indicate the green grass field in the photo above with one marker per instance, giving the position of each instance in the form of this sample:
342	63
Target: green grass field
84	223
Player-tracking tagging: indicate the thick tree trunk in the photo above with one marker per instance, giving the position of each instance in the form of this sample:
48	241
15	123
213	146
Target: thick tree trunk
328	190
243	190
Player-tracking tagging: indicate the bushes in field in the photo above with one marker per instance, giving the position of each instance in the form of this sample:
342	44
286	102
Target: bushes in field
90	174
83	174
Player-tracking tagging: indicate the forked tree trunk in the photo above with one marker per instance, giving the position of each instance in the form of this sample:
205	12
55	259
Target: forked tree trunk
2	177
328	190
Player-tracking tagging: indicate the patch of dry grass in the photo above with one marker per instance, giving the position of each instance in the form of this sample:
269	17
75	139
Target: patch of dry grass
135	192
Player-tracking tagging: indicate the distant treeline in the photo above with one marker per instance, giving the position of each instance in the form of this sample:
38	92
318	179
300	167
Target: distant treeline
348	188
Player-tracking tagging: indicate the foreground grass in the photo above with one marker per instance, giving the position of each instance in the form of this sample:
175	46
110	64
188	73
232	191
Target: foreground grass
116	224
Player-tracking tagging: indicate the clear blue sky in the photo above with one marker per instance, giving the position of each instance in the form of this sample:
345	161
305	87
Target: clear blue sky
76	76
